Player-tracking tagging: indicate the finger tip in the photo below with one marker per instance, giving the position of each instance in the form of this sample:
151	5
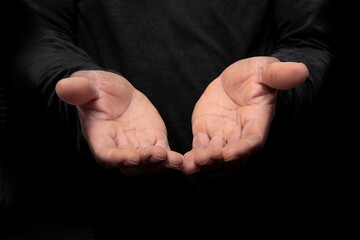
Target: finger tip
190	171
300	73
204	162
172	166
176	162
130	163
61	89
286	75
75	90
302	67
156	159
229	154
179	161
153	154
189	166
207	156
129	158
230	158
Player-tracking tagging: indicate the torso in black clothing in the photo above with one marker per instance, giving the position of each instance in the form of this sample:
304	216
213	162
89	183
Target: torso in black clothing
171	50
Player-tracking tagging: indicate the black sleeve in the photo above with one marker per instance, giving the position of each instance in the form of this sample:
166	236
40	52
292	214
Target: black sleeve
48	53
303	34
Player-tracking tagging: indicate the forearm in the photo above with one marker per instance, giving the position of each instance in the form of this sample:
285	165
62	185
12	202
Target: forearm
43	55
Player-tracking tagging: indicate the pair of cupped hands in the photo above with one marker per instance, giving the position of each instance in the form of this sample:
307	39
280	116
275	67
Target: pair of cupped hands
230	121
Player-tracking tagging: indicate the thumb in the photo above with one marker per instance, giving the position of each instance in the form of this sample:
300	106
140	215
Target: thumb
285	75
76	90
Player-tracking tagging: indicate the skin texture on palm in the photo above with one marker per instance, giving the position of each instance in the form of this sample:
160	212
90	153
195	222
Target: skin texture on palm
230	121
232	117
122	127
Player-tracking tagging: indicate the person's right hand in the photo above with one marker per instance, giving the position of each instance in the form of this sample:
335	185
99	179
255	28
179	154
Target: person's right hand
120	124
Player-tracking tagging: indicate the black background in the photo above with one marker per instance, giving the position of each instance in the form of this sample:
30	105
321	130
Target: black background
321	177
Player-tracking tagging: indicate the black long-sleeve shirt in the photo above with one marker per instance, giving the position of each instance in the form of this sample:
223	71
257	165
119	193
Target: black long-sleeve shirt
170	50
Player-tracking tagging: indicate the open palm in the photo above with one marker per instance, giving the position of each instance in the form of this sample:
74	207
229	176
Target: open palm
231	119
122	127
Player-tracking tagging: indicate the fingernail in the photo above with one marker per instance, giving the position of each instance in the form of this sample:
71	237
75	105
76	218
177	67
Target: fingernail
229	159
206	162
130	163
172	166
157	159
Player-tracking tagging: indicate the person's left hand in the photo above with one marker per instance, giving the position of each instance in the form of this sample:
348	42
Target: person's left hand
231	119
